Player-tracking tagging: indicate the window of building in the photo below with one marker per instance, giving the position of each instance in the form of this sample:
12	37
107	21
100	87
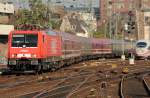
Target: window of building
147	20
120	5
71	6
73	26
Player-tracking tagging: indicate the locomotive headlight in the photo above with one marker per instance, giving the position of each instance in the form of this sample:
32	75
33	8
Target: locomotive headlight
33	55
12	62
14	55
34	62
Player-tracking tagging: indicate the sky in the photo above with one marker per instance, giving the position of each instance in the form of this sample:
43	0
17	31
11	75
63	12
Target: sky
94	3
79	2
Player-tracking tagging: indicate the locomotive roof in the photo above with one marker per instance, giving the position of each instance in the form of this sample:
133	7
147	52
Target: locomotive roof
49	32
142	40
24	31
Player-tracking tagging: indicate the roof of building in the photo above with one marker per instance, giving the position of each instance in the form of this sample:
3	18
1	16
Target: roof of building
77	23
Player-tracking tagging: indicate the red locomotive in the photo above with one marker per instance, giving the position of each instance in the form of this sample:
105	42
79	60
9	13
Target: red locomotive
43	50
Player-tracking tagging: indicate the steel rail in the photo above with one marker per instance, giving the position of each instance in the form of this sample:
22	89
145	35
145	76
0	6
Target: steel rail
132	76
146	84
81	84
63	80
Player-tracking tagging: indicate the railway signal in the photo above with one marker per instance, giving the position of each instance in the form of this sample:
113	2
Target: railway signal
130	27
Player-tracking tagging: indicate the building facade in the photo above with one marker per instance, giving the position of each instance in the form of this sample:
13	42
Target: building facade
6	25
143	20
6	18
6	13
145	4
116	14
72	23
108	7
124	6
103	12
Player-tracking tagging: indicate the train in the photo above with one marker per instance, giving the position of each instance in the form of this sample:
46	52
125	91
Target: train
50	50
142	49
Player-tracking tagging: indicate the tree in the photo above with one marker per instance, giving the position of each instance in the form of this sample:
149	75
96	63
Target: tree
100	33
37	14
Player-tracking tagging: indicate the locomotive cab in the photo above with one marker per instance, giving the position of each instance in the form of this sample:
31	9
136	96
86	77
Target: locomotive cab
33	50
143	49
24	50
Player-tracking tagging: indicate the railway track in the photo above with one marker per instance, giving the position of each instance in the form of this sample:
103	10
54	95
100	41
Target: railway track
7	81
70	87
134	87
74	89
69	91
51	84
63	85
69	82
63	91
17	83
13	80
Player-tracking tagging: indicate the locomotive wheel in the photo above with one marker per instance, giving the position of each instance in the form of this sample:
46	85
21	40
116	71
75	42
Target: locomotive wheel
53	69
24	68
39	69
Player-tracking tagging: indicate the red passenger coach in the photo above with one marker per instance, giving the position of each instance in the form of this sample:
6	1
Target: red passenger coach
32	49
102	46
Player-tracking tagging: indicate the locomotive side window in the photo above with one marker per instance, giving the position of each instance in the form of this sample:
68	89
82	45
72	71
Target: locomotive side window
24	40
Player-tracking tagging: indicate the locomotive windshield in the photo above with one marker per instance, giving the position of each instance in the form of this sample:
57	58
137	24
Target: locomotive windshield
141	45
24	40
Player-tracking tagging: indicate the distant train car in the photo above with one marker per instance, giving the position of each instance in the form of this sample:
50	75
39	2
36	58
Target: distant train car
143	49
125	47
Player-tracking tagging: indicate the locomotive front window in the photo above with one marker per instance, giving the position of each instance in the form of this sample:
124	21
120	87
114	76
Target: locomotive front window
24	40
141	45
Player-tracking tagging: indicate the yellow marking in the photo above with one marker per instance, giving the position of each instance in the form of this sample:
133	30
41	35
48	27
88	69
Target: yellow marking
125	70
114	65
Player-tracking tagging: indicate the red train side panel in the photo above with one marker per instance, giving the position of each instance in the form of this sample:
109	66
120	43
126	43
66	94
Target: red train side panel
52	46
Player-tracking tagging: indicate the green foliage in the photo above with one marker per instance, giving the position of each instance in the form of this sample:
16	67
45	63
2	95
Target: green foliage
100	33
54	24
21	17
38	14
